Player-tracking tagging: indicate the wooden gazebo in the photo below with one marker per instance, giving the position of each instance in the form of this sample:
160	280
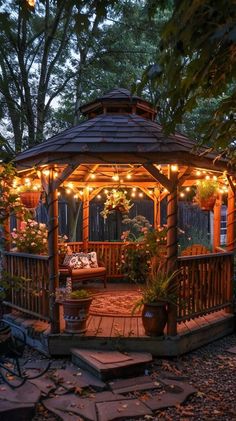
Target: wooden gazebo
120	145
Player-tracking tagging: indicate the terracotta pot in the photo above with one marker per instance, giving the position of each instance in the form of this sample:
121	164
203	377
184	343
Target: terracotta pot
154	317
207	204
75	314
30	199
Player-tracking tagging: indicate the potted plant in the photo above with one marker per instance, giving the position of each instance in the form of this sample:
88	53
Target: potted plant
116	201
206	194
156	294
29	196
76	309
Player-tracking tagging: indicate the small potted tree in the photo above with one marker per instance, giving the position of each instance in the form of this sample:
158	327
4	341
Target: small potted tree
76	309
206	194
156	294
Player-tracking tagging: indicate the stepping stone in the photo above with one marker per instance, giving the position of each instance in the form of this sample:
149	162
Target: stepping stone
232	350
180	392
18	404
131	385
72	405
109	364
71	378
16	411
108	396
43	383
123	409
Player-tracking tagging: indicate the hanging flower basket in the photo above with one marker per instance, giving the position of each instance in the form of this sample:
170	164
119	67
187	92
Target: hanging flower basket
30	199
116	201
207	204
206	194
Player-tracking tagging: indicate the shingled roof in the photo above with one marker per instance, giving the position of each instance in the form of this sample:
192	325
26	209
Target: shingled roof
118	137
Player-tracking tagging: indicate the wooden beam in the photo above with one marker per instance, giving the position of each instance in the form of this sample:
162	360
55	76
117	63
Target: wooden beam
184	176
157	208
217	223
94	193
53	253
92	171
65	174
233	187
146	191
43	180
151	169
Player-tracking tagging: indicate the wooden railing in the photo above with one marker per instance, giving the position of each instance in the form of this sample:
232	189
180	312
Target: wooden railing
205	281
205	284
32	297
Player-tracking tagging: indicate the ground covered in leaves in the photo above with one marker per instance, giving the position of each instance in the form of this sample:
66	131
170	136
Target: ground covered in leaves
211	370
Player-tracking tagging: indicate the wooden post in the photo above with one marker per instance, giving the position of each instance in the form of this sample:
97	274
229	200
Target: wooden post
7	234
157	208
85	219
172	245
53	254
231	240
217	223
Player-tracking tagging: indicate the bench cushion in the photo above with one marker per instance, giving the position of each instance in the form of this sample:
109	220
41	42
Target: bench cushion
88	273
81	260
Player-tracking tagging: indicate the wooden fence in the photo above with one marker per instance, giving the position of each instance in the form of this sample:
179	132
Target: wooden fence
205	284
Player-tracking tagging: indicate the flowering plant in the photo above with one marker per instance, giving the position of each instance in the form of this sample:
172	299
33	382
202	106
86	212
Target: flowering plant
62	247
142	244
9	198
30	238
116	200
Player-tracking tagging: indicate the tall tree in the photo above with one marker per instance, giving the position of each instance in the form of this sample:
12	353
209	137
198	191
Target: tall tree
197	63
36	62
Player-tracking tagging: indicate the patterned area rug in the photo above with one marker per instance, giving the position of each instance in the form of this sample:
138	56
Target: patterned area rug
115	303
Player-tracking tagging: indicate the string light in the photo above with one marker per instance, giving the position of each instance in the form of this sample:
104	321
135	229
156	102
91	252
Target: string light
93	176
174	168
106	191
46	173
129	176
198	172
115	177
214	177
187	189
99	196
140	194
76	196
70	186
134	189
207	177
68	191
182	194
58	193
81	192
133	194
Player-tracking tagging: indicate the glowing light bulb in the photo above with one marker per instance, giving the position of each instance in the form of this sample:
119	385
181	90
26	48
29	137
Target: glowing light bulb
174	168
207	177
150	191
99	196
182	194
133	194
27	181
134	189
58	193
214	177
90	188
129	176
68	191
93	176
187	189
115	177
106	191
76	196
81	192
125	192
46	173
140	194
70	185
198	173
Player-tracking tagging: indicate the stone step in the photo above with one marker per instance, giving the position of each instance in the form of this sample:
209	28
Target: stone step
108	365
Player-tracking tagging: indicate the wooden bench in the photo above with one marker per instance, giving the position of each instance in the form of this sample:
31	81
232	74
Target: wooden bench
86	274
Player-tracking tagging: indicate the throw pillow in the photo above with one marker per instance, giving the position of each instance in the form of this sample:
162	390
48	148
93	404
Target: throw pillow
93	259
73	261
83	257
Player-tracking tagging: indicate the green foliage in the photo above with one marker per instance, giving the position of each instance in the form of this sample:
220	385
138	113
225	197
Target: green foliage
79	294
135	262
9	281
206	189
197	62
161	286
9	199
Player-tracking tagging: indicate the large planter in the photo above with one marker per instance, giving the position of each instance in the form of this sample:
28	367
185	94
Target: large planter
207	204
154	317
75	314
30	199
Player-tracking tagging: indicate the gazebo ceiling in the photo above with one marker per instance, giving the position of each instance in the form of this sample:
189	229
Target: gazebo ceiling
120	135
